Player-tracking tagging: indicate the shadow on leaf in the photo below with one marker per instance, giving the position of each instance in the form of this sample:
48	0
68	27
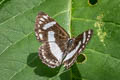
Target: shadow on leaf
66	75
41	69
75	73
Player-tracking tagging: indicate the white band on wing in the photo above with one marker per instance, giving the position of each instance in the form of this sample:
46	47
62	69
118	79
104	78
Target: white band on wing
48	25
84	37
70	55
54	48
51	36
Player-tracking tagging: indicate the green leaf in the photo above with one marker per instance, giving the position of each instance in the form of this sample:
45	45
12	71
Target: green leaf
19	47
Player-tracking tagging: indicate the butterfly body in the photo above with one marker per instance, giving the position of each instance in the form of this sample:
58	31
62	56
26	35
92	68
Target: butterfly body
58	48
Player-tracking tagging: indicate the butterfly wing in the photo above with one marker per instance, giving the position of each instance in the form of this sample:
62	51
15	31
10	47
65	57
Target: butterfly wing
79	45
44	24
49	55
47	30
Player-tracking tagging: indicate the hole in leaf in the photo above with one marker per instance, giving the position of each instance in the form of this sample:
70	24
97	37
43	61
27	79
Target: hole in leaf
93	2
81	58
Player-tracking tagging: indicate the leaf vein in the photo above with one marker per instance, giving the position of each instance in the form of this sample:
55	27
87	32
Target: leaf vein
19	14
20	70
87	20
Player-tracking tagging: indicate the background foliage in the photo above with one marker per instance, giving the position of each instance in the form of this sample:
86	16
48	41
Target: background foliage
18	45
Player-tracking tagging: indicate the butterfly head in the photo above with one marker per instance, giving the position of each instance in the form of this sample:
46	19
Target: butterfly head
70	44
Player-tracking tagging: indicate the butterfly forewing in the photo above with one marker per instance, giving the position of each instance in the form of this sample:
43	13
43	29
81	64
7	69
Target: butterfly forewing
79	44
44	24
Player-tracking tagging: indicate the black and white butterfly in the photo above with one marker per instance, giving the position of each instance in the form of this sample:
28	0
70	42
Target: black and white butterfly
58	48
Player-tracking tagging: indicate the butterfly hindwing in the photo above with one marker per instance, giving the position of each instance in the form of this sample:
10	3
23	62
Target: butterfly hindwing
51	53
79	44
47	57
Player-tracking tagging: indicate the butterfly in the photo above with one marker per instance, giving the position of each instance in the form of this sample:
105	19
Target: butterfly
58	48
